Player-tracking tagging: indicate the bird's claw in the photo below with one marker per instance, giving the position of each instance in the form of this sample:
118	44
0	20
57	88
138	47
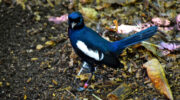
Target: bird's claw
80	89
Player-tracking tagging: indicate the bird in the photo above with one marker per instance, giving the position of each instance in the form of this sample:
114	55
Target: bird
94	49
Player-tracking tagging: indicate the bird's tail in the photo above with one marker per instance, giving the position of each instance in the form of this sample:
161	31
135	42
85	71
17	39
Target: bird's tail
118	46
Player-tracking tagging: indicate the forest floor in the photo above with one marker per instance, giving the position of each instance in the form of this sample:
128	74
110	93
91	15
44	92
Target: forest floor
49	73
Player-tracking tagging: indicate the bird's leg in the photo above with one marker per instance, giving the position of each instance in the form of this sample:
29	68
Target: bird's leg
87	82
85	65
92	69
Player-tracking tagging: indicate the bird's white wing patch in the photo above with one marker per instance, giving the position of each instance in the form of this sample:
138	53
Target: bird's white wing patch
91	53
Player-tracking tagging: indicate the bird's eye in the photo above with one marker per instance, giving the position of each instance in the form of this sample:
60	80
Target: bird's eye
77	20
70	19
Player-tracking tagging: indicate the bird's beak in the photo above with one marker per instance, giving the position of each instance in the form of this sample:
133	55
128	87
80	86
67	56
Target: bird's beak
73	24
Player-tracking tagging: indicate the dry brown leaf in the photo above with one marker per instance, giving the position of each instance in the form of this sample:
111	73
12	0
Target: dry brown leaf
84	77
120	93
103	84
156	74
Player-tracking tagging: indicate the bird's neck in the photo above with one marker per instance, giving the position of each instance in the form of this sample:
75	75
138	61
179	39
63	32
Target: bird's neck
76	28
74	31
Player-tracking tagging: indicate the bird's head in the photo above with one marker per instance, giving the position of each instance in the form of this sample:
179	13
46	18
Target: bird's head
75	21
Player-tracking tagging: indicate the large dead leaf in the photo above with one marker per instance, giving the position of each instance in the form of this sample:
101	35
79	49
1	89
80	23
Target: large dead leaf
156	74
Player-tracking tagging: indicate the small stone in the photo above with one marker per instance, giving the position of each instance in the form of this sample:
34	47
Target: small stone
85	98
39	47
53	28
7	84
43	39
29	51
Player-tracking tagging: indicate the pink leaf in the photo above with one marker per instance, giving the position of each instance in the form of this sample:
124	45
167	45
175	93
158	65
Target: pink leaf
58	20
126	29
178	22
169	46
161	21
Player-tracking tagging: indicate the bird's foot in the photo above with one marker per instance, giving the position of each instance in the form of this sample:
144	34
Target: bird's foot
86	84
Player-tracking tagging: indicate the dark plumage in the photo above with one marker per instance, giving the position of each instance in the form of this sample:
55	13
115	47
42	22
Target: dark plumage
94	49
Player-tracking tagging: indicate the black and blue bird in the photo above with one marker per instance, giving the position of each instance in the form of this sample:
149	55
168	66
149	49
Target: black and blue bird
93	49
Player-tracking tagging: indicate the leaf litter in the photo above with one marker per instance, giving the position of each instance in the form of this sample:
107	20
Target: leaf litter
40	61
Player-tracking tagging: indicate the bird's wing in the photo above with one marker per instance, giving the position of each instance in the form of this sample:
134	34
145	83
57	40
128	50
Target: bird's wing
96	54
93	45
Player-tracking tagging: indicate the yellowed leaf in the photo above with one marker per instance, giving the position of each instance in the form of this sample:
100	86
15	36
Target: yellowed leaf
25	97
50	43
66	88
55	82
34	59
22	3
54	94
50	3
89	12
50	86
1	83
